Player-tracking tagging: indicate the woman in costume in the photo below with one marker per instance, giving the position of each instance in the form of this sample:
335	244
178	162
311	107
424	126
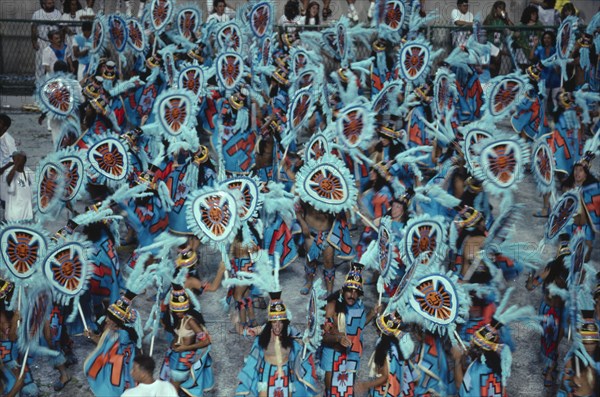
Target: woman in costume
107	280
580	377
485	364
376	201
581	178
10	364
241	260
388	362
272	368
188	364
553	278
108	367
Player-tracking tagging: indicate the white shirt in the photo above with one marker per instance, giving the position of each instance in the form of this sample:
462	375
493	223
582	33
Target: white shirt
49	57
157	389
42	30
460	38
7	148
547	17
85	14
218	18
19	195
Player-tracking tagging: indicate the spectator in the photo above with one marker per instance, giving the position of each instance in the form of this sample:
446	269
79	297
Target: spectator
81	49
495	23
58	50
39	32
312	14
7	142
462	17
291	14
525	38
218	13
545	50
567	10
143	373
86	13
7	148
70	8
19	193
548	15
211	6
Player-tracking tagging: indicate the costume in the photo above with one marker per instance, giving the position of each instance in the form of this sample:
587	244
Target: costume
192	369
265	369
108	367
399	372
343	363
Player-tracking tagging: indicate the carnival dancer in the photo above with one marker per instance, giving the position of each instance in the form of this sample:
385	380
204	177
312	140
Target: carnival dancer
320	212
188	363
108	367
346	319
316	228
107	279
243	255
12	383
388	364
117	343
581	178
531	120
271	368
375	202
490	352
235	138
580	375
553	278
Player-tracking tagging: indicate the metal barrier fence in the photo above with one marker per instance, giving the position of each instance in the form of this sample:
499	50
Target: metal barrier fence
17	55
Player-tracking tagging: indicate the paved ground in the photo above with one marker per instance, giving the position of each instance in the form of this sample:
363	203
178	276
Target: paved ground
229	350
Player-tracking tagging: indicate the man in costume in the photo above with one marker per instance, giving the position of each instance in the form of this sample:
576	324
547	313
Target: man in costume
345	321
317	229
272	367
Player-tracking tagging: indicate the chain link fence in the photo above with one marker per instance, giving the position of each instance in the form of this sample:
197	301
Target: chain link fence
17	55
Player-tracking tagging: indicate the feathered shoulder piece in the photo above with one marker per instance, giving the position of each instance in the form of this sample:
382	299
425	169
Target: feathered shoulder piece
327	185
57	95
175	111
434	299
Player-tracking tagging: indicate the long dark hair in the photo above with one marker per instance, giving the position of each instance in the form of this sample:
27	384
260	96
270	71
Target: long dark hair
307	17
133	336
570	181
172	322
382	348
265	336
527	13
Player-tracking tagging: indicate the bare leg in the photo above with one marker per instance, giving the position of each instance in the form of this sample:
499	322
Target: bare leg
328	268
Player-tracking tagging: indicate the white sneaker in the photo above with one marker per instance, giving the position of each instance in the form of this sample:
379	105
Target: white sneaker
352	14
371	10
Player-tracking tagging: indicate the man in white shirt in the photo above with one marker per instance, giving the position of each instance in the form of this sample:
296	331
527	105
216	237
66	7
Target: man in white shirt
462	17
19	192
39	32
86	13
142	372
7	148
